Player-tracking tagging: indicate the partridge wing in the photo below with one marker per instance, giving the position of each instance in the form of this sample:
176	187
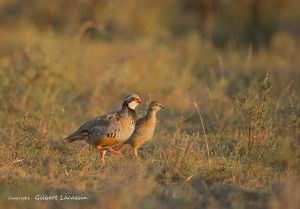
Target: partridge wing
95	127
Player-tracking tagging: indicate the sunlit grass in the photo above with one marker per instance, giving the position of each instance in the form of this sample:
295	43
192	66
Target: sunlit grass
249	101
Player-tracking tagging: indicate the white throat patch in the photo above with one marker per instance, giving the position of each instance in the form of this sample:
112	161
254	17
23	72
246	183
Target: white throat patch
133	105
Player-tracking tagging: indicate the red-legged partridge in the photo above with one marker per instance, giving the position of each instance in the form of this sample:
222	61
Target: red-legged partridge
111	129
144	128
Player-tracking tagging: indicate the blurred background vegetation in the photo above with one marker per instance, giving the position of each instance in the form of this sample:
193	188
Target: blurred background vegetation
63	62
224	22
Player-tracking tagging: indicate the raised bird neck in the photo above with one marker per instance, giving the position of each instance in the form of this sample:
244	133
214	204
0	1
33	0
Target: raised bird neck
131	112
151	114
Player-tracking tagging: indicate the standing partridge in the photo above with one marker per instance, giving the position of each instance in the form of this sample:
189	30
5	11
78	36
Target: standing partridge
105	131
144	129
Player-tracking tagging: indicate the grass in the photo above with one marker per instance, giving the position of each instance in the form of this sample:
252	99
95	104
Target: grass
243	151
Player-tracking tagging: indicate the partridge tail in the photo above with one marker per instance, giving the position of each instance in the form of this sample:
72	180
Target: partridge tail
72	139
75	136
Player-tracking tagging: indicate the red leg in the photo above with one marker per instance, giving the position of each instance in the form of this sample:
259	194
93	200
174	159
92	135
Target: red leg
102	155
113	151
121	148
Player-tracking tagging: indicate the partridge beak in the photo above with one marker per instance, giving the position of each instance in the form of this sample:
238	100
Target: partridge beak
140	101
161	106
